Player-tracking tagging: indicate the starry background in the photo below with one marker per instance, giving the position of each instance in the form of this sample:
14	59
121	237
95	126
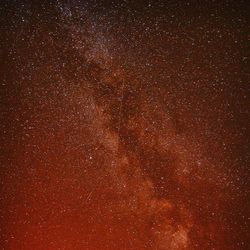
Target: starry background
124	125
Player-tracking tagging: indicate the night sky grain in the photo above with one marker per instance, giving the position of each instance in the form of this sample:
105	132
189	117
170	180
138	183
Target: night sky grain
124	125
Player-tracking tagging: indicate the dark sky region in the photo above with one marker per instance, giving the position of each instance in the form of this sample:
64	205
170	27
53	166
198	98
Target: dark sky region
124	125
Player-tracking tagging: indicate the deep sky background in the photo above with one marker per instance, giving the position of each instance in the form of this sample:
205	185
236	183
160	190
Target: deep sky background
124	125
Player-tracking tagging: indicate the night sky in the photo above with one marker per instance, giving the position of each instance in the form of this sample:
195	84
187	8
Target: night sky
124	125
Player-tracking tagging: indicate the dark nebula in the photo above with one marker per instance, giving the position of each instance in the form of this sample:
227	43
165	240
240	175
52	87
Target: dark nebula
124	125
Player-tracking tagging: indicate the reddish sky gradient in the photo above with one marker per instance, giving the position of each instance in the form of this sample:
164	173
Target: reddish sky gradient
124	125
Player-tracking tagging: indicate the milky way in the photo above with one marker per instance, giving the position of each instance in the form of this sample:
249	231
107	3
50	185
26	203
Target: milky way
124	125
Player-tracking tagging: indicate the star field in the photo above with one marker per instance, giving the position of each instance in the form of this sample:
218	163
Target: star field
124	125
